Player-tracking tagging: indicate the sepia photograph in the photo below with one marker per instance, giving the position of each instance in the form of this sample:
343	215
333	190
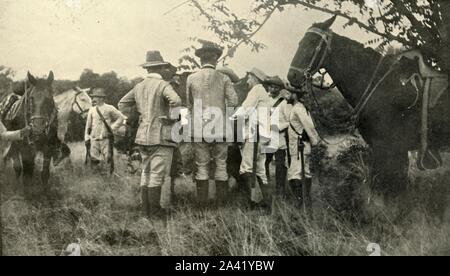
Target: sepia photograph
224	129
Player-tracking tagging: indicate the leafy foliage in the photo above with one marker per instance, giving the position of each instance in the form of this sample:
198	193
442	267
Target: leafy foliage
6	81
61	86
116	87
424	24
231	30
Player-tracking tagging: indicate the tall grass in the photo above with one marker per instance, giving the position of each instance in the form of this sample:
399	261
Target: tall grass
103	212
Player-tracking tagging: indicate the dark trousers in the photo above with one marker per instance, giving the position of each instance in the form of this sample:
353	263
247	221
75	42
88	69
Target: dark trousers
280	169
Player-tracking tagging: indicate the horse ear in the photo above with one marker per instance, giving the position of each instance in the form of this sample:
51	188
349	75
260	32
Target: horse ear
327	24
51	77
31	79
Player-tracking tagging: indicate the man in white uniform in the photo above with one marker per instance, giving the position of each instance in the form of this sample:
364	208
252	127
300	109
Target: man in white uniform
100	120
277	148
302	132
256	110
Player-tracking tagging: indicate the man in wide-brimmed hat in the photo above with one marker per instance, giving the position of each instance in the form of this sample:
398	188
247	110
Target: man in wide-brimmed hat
256	110
280	113
153	98
207	91
101	119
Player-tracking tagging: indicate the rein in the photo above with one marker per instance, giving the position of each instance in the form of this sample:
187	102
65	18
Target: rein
326	38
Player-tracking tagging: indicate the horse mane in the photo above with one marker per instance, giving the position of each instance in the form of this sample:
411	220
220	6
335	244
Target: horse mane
63	95
64	100
371	56
357	48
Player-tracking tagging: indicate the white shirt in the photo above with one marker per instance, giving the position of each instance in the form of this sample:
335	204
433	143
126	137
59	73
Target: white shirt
300	120
257	100
280	123
154	76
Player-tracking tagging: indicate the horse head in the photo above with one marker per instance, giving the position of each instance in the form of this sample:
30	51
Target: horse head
40	109
312	53
82	102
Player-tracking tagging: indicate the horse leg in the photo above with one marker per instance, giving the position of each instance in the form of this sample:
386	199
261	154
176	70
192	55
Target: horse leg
28	157
233	164
62	130
45	174
17	165
391	171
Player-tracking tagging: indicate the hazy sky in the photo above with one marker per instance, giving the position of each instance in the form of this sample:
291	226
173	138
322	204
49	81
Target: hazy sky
67	36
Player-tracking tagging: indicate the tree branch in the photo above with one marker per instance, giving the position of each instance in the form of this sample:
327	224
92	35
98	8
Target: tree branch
250	36
177	6
424	32
354	20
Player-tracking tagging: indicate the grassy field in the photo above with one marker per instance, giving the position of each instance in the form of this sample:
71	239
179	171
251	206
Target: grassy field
103	213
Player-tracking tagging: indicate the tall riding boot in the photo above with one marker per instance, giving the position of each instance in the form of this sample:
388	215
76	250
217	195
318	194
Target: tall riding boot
144	202
202	193
154	203
281	172
246	189
266	203
281	175
269	158
221	193
297	190
307	197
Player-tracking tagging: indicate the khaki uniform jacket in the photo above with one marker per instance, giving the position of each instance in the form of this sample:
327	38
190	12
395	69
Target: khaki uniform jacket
212	89
153	98
280	125
300	120
95	128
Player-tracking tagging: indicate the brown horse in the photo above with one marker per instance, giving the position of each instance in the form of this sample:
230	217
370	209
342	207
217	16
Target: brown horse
36	109
390	121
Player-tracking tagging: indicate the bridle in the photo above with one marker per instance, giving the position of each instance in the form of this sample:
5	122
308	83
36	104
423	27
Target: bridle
30	119
326	39
76	104
308	73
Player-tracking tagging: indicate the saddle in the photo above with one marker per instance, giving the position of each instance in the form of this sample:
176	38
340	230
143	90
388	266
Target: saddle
9	107
432	84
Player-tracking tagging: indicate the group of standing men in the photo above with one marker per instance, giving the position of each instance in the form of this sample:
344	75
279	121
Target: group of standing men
286	139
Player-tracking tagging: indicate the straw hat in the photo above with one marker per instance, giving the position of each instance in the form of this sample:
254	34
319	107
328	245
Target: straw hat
259	74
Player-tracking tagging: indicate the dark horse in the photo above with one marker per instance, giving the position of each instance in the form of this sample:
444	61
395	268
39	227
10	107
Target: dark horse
36	109
390	122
